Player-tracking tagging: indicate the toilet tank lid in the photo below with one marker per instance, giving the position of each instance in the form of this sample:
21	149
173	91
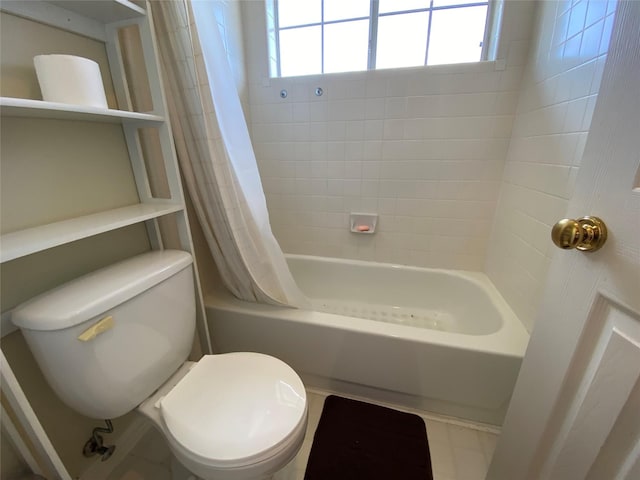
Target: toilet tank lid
95	293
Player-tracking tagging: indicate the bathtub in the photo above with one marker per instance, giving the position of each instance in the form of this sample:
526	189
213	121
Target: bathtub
439	340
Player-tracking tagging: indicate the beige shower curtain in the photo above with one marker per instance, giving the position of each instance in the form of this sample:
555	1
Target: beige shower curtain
216	156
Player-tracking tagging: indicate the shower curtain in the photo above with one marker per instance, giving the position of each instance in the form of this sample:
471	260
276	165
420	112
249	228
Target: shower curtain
216	157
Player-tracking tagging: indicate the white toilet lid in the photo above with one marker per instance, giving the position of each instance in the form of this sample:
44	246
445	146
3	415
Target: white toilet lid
234	408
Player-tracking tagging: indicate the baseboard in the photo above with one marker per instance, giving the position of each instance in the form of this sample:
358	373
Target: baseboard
439	411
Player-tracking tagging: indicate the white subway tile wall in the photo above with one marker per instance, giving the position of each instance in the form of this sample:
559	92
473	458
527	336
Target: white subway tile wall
431	150
424	148
555	107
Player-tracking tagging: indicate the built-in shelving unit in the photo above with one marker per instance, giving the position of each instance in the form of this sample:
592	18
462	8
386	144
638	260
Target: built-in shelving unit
99	20
25	242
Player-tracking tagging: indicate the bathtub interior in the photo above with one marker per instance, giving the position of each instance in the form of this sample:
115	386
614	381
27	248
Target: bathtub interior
424	298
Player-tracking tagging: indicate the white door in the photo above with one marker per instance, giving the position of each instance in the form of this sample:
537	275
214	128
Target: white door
575	412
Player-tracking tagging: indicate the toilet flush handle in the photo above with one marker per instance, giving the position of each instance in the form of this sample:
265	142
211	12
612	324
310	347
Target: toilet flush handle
96	329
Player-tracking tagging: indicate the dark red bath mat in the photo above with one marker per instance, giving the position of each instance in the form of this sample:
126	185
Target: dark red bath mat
361	441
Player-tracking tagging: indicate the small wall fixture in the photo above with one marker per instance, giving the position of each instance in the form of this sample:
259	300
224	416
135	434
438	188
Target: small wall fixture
319	92
363	222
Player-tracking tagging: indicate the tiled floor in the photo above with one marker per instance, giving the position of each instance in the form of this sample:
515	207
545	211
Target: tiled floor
459	451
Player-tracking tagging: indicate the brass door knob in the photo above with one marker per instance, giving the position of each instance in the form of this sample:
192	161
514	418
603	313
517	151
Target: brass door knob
587	234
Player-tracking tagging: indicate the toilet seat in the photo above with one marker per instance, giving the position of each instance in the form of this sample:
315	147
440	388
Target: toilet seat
233	410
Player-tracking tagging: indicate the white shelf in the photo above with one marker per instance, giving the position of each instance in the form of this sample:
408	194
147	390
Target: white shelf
105	11
22	107
25	242
85	17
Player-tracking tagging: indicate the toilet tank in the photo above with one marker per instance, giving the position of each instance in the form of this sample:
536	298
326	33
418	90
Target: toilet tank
109	339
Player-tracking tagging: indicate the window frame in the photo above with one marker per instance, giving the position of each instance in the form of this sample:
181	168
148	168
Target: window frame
374	15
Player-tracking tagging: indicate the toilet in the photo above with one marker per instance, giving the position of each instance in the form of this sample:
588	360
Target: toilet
118	339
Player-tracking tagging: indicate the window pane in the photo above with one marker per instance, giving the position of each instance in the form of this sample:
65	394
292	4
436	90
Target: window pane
400	5
344	9
300	51
457	35
346	46
445	3
402	40
298	12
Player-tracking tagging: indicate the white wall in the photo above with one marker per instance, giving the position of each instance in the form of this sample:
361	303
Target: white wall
12	466
550	130
422	147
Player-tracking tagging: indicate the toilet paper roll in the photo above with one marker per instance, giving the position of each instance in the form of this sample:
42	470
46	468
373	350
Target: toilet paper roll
70	79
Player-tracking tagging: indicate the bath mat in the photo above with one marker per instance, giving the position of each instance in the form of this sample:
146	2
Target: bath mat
361	441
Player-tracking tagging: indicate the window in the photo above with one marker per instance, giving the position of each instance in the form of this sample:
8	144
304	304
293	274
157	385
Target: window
326	36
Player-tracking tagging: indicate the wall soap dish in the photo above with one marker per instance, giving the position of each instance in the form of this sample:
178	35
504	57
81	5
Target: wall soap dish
363	222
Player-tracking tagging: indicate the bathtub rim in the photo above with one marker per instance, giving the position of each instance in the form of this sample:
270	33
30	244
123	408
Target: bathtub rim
510	340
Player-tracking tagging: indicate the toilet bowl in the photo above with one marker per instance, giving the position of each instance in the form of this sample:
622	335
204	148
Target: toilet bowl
118	339
250	432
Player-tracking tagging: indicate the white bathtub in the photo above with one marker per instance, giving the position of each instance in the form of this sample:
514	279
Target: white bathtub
439	340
